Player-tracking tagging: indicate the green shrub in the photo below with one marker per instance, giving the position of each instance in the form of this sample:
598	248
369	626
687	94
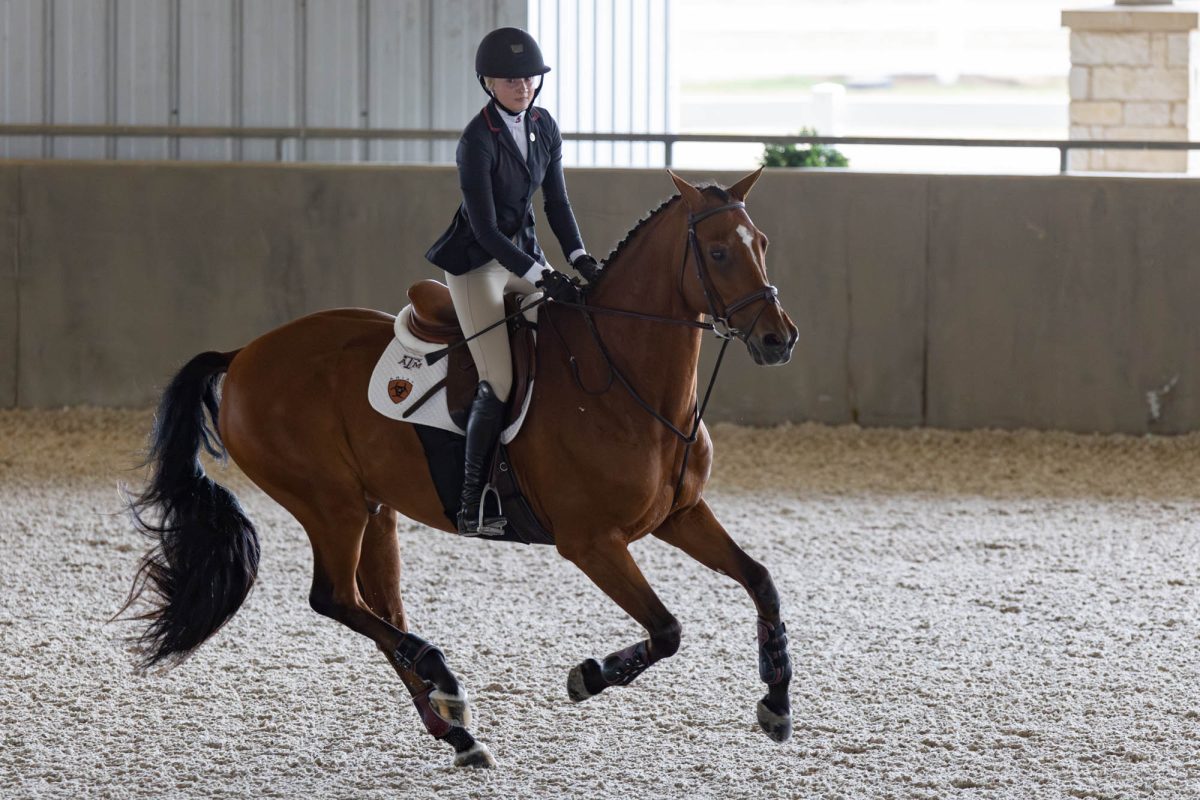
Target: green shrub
803	155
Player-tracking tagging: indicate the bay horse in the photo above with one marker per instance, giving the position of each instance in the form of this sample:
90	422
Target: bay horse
600	470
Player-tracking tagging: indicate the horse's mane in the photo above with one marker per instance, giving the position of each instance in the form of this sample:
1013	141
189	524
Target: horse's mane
711	189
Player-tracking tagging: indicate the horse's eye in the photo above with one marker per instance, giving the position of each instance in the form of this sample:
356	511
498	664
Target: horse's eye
717	253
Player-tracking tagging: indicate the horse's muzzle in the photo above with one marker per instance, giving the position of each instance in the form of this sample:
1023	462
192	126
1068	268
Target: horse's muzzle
773	349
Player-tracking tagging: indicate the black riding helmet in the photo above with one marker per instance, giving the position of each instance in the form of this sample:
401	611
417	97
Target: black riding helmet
509	53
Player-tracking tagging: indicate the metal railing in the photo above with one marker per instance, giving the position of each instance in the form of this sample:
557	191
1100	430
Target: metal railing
282	135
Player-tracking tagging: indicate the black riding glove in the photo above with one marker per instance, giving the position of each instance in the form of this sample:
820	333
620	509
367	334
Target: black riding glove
586	266
558	287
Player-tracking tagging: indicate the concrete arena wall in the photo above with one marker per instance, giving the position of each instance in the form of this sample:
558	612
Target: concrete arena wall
948	301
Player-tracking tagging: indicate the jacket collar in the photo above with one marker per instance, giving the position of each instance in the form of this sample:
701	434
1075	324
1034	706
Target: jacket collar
491	116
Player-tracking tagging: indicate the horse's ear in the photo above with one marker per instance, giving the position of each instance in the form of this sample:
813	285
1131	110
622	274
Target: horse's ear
743	187
691	195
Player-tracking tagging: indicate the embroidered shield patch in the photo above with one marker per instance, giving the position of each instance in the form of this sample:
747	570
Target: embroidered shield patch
398	390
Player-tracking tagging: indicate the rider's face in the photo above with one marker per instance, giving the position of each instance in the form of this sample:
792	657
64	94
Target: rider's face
515	94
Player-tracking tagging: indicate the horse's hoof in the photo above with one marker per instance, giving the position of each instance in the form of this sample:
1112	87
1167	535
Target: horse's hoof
575	687
578	680
453	708
476	756
777	726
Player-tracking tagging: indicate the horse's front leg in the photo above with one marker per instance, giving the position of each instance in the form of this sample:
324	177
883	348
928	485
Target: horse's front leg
607	562
697	532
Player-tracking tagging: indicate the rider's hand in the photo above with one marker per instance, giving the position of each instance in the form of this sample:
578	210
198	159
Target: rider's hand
586	266
558	287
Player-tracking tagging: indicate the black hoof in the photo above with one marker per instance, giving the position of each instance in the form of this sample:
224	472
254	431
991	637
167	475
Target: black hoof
777	726
585	680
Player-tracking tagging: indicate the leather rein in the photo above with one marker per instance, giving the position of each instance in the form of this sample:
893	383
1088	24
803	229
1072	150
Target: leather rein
720	325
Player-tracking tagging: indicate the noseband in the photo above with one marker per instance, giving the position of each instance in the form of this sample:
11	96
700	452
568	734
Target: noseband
721	325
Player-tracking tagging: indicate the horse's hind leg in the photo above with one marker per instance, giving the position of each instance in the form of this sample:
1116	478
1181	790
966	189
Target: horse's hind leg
698	533
606	560
336	528
379	584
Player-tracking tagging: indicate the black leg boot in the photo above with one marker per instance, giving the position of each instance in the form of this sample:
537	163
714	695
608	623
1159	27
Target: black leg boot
484	423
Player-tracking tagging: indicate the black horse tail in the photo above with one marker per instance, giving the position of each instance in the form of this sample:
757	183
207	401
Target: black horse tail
205	554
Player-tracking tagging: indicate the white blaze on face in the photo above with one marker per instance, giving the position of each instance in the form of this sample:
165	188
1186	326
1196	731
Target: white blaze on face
747	239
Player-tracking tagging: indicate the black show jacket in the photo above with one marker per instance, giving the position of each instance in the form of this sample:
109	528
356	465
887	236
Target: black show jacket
495	220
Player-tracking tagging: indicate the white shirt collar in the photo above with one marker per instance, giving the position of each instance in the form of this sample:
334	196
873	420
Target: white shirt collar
511	119
515	123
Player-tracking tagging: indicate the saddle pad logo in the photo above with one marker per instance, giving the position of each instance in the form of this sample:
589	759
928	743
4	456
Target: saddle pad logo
399	390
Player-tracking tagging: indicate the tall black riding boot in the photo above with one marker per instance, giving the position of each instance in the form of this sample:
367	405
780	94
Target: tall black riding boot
484	423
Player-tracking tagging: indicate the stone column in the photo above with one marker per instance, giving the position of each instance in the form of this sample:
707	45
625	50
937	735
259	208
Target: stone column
1135	74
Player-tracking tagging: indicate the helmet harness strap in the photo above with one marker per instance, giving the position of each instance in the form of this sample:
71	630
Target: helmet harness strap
491	94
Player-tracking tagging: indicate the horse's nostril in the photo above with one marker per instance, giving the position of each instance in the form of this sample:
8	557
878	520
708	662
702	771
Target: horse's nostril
772	341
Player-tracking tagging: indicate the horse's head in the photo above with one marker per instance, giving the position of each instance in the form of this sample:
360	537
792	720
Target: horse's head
724	272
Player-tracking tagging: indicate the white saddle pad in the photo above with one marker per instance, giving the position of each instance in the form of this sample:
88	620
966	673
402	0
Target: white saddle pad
402	377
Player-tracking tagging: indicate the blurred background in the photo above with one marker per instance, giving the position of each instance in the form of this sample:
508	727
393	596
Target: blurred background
920	68
910	68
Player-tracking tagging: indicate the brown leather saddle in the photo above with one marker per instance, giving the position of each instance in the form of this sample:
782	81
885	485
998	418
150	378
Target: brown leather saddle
433	320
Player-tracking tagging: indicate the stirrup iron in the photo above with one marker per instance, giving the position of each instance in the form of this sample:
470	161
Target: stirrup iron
483	525
491	526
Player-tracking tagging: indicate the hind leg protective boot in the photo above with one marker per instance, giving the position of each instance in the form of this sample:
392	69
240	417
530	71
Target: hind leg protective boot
484	423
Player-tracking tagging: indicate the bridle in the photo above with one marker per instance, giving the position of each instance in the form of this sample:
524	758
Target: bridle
720	325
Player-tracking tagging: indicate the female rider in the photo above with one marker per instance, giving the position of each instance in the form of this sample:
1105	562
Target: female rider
509	149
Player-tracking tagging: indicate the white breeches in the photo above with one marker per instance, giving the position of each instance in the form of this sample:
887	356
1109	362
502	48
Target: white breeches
479	302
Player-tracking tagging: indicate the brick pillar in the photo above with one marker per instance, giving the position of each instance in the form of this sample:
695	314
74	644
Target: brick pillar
1135	74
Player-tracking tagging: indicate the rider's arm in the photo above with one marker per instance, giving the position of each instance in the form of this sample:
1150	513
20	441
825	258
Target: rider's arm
558	206
475	178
